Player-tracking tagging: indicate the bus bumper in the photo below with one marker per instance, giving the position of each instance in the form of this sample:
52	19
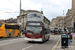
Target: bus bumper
30	39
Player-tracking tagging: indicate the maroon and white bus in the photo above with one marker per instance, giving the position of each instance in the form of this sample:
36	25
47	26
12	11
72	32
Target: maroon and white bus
37	27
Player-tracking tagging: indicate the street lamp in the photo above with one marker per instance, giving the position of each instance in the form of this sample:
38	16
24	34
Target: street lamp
20	11
63	21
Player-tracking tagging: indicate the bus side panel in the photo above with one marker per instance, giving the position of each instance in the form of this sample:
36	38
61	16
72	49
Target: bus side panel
12	32
2	30
16	32
6	33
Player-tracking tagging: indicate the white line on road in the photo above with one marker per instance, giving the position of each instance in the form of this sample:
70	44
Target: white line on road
35	44
27	47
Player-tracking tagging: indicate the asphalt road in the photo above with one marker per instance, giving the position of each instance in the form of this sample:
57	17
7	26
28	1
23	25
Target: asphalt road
21	44
12	38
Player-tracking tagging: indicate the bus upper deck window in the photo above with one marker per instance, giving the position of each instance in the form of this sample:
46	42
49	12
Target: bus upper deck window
35	15
38	16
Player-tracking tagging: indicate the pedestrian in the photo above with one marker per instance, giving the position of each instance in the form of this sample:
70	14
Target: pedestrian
69	37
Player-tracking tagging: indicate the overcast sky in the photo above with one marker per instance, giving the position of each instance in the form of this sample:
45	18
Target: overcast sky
51	8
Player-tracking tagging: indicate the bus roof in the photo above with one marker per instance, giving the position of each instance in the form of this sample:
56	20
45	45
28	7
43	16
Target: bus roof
41	14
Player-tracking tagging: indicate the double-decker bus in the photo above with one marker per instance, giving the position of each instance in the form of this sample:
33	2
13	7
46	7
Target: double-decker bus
37	27
9	30
52	29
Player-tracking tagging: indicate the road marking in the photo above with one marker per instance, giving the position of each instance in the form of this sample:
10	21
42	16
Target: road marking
27	47
35	44
56	43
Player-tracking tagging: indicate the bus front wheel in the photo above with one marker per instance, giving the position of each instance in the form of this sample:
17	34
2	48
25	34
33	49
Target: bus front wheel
17	35
48	38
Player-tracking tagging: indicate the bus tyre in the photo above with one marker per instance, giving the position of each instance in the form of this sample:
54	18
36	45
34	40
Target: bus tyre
43	39
48	38
9	35
19	35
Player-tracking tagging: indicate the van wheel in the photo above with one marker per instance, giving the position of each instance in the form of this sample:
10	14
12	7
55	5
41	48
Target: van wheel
9	35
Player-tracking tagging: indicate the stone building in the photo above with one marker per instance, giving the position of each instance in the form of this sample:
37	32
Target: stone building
2	21
10	20
53	22
60	22
57	22
70	16
24	16
73	12
68	19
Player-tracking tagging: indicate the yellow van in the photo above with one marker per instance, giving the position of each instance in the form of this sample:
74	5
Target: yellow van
9	30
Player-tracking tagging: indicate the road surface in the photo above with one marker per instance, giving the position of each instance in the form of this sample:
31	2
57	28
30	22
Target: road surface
21	44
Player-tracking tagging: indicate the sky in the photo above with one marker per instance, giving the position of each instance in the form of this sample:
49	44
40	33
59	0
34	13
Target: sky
51	8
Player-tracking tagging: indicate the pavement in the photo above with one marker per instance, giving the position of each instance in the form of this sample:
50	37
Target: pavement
70	47
21	44
11	38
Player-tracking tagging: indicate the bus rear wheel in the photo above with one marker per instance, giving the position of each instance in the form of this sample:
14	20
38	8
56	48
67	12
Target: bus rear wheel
9	35
48	38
